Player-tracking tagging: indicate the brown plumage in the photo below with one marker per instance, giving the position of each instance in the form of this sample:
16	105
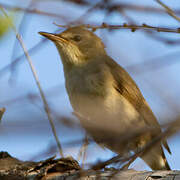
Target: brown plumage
108	101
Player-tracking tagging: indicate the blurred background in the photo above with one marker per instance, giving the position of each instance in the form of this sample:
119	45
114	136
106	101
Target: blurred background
151	58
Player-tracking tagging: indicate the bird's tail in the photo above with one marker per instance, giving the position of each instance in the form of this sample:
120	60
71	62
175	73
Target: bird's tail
156	159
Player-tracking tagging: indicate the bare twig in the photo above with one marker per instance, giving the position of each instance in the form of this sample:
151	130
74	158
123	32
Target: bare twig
82	151
163	39
133	28
168	10
2	110
20	58
154	64
172	129
23	24
90	10
46	108
151	34
124	26
34	11
119	6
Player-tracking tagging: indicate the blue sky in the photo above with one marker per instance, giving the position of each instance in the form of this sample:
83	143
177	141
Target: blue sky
25	130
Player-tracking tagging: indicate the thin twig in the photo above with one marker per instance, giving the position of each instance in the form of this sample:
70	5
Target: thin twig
133	28
172	129
124	26
23	24
82	151
150	34
163	39
86	14
19	58
46	108
153	64
168	10
2	110
34	11
116	7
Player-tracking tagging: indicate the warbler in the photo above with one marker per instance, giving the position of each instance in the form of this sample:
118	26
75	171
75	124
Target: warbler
106	99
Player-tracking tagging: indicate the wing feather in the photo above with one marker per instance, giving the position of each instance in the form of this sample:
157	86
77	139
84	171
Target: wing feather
128	88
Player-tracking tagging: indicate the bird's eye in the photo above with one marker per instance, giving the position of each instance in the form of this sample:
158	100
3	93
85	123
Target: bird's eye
77	38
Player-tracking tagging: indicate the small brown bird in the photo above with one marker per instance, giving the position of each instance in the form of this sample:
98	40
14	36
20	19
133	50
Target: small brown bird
108	102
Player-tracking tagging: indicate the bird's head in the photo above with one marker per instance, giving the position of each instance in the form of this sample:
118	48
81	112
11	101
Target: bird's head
77	45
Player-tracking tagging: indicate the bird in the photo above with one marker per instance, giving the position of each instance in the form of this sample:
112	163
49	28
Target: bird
107	101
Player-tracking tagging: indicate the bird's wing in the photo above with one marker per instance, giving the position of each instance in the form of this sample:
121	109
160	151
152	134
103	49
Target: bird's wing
128	88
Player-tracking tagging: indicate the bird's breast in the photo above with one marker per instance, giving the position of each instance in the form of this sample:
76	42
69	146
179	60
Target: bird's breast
103	111
101	105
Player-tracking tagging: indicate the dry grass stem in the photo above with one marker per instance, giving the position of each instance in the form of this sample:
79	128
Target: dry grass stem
172	128
2	110
82	151
22	27
46	108
168	10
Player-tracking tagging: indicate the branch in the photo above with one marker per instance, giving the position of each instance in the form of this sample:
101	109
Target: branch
68	169
133	28
168	10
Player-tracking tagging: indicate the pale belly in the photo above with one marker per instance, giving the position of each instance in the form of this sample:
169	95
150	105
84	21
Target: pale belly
110	121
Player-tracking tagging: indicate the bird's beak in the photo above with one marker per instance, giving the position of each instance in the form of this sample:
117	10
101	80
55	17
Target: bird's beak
53	37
